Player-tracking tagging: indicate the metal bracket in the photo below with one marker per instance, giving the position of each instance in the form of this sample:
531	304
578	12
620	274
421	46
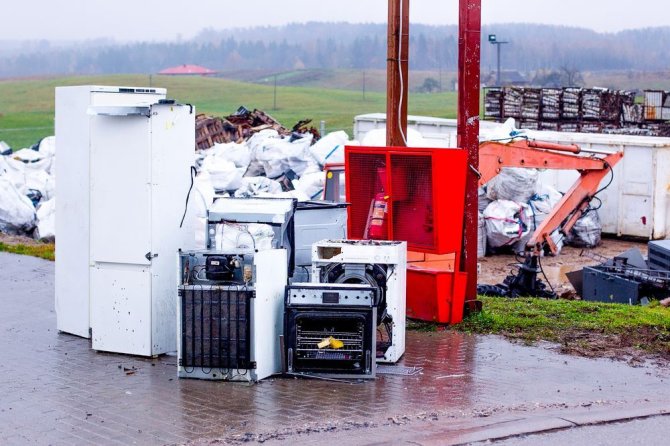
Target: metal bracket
150	256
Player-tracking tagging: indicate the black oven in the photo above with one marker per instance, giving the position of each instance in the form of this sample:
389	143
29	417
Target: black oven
330	330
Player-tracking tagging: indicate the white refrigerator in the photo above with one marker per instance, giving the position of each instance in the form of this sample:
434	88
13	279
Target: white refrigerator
139	176
73	145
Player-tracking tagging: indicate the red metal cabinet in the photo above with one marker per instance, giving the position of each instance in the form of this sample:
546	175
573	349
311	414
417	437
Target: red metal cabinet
424	190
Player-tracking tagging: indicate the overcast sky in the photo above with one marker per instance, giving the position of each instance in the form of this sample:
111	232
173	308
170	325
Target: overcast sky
166	19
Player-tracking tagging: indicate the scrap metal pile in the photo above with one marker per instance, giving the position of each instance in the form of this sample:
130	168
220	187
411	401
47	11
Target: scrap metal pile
587	110
240	126
628	278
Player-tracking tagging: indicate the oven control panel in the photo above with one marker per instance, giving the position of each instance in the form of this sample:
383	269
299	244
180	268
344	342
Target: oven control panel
335	294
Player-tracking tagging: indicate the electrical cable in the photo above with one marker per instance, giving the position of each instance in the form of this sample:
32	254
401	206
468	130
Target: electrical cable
402	80
539	262
610	182
595	195
253	240
509	138
194	172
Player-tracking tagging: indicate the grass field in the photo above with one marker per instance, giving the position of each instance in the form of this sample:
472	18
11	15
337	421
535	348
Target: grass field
585	328
27	106
34	249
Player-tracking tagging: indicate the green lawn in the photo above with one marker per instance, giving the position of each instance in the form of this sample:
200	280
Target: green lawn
42	250
27	106
593	329
586	328
534	319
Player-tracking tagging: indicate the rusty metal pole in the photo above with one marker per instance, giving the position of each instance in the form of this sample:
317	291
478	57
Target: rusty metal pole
469	49
397	73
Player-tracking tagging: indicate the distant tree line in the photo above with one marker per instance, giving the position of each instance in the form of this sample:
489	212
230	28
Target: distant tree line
343	45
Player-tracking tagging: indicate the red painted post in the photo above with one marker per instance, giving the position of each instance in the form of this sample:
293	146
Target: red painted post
469	48
396	83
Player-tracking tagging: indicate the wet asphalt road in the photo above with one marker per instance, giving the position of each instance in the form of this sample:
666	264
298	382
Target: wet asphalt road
654	431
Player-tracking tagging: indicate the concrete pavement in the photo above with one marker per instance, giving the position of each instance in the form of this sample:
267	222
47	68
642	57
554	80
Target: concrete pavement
56	390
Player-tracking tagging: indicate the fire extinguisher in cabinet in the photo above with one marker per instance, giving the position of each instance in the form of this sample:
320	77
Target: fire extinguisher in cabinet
376	226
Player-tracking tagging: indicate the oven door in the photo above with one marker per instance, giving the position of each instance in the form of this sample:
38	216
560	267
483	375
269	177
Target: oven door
330	341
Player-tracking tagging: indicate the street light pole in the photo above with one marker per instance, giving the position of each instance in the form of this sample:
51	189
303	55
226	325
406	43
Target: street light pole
493	40
498	59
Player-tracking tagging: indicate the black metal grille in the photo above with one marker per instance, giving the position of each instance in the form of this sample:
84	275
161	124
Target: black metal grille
309	332
215	327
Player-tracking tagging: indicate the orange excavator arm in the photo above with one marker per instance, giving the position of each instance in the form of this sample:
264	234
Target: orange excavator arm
493	156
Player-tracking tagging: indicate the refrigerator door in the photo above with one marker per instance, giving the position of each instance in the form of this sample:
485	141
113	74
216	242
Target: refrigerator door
72	211
120	190
121	239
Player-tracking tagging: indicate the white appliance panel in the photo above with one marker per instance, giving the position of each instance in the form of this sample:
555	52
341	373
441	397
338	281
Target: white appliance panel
120	189
120	315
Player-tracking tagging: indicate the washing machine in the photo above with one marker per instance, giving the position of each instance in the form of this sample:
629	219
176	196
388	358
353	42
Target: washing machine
379	264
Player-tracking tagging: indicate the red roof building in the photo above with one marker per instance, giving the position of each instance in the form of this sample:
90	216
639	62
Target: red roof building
192	70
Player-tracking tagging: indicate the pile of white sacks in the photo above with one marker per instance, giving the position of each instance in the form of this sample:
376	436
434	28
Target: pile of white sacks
27	190
265	165
513	204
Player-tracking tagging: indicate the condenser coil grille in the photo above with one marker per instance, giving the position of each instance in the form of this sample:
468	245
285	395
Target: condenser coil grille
215	327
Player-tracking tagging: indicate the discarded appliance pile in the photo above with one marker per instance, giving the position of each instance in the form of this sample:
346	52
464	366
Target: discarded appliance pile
586	110
628	278
276	286
248	308
28	181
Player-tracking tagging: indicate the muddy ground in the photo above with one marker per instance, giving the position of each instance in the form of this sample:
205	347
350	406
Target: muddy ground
495	268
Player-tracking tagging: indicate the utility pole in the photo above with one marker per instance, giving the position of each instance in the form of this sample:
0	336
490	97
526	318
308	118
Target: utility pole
439	74
493	40
469	52
364	84
274	99
397	73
